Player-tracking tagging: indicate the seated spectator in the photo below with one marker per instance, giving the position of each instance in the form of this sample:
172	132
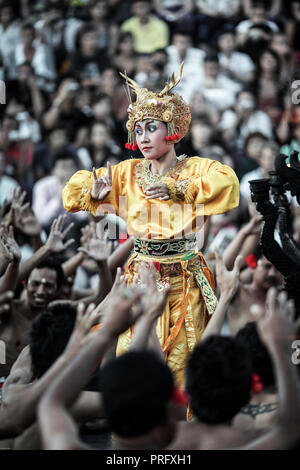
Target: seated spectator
10	36
106	30
236	65
149	32
257	15
267	85
211	17
281	45
215	86
247	160
39	55
266	159
56	140
64	110
88	62
236	124
102	147
46	200
125	58
182	50
173	12
25	90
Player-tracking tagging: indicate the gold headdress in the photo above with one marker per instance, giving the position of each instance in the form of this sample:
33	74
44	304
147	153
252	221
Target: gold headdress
163	106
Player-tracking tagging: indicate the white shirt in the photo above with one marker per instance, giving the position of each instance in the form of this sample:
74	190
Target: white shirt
256	174
7	185
47	201
238	62
244	26
9	39
258	121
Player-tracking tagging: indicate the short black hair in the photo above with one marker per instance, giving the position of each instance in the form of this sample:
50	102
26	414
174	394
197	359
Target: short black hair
136	388
53	263
260	357
218	379
65	154
49	334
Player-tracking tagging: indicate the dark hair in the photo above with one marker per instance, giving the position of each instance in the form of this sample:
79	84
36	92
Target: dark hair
54	264
253	135
218	379
65	154
211	56
136	389
260	358
49	334
26	26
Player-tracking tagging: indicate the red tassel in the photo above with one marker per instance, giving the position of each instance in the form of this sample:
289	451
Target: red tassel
157	265
134	147
256	385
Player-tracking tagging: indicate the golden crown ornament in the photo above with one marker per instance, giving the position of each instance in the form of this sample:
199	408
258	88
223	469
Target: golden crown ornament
161	106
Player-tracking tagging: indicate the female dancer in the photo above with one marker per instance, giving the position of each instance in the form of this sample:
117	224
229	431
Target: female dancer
165	199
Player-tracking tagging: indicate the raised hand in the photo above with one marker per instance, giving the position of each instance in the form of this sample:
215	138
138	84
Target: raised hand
276	322
95	248
103	185
8	240
27	222
253	226
153	300
227	281
55	242
123	309
5	300
158	190
86	317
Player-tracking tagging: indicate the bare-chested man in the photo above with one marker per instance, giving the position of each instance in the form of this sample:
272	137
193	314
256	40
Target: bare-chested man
42	287
265	275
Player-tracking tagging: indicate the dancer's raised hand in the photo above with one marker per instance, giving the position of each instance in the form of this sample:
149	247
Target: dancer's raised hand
103	185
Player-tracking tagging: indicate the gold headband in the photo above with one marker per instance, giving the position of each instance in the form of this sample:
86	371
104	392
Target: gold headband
163	106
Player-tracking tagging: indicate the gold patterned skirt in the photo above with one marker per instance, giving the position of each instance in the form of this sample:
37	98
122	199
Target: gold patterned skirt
190	303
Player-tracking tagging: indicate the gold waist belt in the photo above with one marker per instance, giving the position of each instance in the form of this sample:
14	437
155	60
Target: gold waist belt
170	247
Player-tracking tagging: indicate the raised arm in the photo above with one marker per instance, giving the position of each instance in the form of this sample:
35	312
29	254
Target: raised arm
227	283
87	191
277	330
235	247
154	301
55	244
9	280
58	430
20	397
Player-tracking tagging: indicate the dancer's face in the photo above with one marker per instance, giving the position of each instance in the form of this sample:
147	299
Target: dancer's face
151	138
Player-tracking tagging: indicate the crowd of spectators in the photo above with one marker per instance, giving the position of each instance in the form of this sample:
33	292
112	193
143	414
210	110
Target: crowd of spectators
64	108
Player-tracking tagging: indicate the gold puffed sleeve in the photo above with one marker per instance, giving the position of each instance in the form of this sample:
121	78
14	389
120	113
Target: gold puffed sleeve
207	182
214	185
76	195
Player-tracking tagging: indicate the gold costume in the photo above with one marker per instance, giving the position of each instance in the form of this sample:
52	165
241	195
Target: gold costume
198	187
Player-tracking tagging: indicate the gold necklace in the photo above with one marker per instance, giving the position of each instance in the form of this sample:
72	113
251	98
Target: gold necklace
144	176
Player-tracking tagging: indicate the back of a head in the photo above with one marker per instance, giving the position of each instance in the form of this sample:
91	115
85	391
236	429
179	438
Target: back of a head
48	336
136	389
260	357
218	379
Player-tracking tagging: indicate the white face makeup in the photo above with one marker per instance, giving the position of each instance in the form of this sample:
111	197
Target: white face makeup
150	137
